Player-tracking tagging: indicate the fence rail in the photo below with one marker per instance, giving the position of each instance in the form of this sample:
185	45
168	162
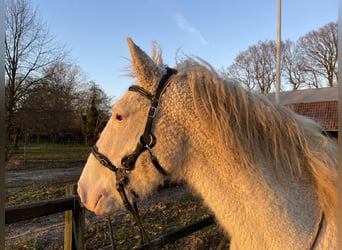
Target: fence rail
75	217
41	208
179	233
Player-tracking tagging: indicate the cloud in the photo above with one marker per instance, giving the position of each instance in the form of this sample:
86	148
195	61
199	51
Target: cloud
185	25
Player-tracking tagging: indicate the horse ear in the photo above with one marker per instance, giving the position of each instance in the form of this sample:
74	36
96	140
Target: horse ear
145	69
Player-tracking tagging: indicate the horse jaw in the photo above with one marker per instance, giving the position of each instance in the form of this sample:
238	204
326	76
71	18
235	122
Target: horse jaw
145	69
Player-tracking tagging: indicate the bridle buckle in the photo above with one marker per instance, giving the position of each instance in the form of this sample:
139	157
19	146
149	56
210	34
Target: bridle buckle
104	162
152	112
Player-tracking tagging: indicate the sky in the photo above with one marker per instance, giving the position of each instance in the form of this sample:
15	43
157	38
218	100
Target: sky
95	32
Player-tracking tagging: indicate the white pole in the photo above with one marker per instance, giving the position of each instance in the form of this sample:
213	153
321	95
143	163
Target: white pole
277	99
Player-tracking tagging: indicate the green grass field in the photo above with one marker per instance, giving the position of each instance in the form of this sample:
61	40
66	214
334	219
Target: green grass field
50	152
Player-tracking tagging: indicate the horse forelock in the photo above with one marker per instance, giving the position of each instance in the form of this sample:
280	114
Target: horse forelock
261	133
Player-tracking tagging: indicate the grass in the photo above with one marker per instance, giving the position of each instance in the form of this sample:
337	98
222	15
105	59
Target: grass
50	152
34	192
30	244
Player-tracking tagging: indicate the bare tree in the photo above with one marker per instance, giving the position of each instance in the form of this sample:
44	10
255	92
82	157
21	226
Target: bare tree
320	52
68	78
56	97
63	103
293	65
312	62
29	48
255	67
241	70
44	113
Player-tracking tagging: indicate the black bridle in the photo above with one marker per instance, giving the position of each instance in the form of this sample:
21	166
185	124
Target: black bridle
146	142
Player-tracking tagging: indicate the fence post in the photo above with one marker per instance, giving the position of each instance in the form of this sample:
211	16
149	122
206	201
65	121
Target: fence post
68	222
74	223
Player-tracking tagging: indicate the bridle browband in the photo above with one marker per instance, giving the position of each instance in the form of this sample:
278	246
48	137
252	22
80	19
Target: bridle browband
146	142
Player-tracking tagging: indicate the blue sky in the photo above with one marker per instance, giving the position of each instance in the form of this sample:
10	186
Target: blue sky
215	30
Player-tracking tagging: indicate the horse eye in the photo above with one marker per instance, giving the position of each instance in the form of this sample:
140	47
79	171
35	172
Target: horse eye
118	117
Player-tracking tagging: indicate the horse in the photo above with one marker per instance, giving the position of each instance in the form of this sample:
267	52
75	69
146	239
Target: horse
268	175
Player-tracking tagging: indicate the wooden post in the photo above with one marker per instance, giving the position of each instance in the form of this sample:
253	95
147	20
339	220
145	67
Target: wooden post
68	222
74	223
78	217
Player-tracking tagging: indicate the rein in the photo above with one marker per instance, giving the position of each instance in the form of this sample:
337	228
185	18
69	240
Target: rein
146	142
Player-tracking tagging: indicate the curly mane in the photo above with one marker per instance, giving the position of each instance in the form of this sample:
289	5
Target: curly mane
261	133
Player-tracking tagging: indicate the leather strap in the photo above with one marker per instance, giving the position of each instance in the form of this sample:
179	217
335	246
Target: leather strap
147	139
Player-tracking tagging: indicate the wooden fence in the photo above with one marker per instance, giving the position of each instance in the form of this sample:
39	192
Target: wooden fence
75	217
70	204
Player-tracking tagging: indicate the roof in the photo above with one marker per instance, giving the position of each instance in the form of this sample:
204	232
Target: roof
325	113
319	104
307	95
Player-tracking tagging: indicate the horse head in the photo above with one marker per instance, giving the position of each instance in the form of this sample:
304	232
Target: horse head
128	152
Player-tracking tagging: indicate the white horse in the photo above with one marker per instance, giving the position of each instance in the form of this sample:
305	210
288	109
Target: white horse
268	175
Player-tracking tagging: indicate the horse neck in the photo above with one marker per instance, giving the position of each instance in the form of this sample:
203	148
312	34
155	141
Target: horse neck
249	204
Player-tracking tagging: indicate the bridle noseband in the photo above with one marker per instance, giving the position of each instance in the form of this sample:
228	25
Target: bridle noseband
146	142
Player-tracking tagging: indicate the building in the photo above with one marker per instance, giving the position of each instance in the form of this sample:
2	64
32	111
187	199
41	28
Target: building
319	104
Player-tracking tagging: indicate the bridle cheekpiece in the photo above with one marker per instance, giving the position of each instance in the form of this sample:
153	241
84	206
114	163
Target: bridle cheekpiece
146	142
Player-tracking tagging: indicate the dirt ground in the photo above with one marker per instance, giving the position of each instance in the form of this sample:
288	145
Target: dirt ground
24	177
52	227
